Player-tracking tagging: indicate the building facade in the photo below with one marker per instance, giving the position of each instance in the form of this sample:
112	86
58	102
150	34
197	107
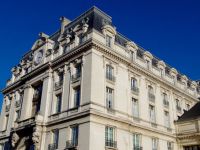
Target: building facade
88	87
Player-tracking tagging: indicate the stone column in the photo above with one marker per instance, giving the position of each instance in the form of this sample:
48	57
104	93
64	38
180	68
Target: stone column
46	96
26	110
66	87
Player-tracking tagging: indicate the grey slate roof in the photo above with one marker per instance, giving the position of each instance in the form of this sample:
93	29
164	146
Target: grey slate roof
193	113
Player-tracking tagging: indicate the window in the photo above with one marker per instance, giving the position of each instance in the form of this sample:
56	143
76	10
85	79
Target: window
161	72
58	103
77	93
77	72
132	56
109	98
169	145
74	135
151	94
134	85
154	144
109	73
135	108
136	142
152	114
109	135
165	100
178	105
108	40
148	64
166	119
55	138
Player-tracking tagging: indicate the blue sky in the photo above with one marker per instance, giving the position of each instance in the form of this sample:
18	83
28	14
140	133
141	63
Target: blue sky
169	29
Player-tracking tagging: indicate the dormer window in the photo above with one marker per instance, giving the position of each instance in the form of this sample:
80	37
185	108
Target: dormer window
108	40
148	64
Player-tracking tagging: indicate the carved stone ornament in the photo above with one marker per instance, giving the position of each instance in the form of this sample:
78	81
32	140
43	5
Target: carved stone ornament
36	139
14	140
85	25
48	52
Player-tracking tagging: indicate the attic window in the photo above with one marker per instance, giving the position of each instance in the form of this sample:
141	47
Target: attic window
108	40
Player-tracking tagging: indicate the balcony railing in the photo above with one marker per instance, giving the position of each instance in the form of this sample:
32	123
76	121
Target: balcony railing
110	77
53	146
135	90
58	84
151	97
76	77
71	144
178	108
7	108
166	103
137	148
112	144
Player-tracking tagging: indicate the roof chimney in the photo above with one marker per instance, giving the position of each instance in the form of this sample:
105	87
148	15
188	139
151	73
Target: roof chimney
64	22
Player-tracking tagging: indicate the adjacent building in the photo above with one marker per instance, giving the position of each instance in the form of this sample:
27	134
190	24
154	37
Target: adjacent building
88	87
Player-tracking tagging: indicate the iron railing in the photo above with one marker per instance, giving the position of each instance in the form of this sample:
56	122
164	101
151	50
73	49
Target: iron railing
53	146
71	144
111	143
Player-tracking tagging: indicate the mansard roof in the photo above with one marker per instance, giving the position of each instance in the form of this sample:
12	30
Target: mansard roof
191	114
96	19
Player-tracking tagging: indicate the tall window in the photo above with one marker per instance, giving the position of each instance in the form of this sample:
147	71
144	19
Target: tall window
165	100
148	64
169	145
152	114
135	107
109	135
55	138
109	98
136	142
134	85
132	56
151	93
74	135
108	40
178	105
77	93
78	69
154	144
58	103
161	72
109	73
166	119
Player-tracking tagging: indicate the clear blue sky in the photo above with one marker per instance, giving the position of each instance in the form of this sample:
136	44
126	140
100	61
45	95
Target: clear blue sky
170	29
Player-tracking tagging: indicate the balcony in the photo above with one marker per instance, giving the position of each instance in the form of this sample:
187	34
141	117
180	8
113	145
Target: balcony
111	144
137	148
24	123
151	97
7	108
72	145
58	85
110	77
166	103
75	77
135	90
53	146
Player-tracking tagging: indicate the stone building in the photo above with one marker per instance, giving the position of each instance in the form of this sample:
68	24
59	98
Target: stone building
88	87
